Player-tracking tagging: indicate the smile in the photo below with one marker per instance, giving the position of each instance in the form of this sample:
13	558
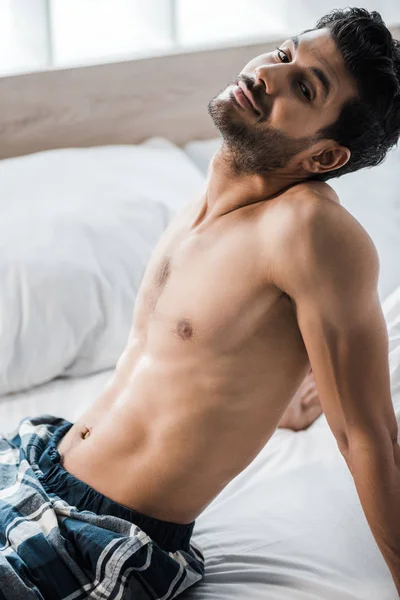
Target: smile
243	101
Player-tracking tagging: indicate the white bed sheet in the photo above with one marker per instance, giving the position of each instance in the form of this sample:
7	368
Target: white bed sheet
66	397
289	527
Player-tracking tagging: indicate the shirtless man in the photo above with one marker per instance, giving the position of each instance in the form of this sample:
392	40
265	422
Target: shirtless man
262	277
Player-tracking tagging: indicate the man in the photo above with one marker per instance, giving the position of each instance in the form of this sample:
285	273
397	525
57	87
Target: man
261	278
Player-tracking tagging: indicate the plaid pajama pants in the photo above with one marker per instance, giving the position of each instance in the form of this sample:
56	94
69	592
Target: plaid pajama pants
62	540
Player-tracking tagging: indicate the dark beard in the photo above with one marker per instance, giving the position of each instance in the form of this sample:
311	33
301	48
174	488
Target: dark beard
252	148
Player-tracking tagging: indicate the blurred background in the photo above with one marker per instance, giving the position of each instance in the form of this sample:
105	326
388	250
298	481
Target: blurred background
42	34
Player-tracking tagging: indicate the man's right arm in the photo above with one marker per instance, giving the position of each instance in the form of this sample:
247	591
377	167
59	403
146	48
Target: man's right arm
329	266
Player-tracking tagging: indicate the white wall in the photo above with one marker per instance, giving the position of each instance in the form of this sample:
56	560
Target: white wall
35	34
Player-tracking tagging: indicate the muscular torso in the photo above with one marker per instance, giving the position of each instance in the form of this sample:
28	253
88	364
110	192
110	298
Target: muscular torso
213	359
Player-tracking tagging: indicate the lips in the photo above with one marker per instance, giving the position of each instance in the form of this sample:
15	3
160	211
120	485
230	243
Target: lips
245	98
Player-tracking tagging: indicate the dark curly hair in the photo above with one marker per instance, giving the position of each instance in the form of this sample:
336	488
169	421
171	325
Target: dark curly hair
369	125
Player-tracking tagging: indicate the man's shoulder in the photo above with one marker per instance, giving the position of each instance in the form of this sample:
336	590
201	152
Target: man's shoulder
315	189
314	206
299	208
320	237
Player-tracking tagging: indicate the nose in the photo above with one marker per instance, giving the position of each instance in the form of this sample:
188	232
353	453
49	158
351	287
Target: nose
270	77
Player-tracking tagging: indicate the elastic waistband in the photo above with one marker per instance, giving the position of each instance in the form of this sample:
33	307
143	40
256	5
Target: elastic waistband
169	536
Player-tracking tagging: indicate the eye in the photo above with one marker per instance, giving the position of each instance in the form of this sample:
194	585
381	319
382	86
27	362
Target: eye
282	53
305	91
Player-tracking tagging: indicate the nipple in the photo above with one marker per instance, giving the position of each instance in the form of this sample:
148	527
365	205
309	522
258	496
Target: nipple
85	432
184	329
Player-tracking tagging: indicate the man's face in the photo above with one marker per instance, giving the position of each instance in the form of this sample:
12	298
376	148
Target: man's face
297	90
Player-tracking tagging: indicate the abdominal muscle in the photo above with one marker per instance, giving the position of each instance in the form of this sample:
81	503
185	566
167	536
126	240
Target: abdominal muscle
171	431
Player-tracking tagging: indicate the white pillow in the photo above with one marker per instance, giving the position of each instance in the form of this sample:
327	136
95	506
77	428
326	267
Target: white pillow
370	195
77	227
201	152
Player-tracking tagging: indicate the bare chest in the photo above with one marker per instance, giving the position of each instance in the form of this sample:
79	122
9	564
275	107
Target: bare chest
208	287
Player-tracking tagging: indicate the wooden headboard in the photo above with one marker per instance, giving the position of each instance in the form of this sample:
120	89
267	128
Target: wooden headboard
119	103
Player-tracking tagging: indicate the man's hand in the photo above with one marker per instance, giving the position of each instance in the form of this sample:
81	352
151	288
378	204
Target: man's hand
305	407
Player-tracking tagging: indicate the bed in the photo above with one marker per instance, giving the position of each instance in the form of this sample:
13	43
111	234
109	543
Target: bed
80	147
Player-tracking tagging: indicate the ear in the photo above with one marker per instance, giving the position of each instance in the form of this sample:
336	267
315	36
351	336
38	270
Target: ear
326	159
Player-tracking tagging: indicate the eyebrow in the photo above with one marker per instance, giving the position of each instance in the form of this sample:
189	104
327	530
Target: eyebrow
326	84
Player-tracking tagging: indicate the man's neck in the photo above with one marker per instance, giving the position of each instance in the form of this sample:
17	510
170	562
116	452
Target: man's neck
227	191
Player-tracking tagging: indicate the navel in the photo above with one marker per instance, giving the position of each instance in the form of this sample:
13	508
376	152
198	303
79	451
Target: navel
85	432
